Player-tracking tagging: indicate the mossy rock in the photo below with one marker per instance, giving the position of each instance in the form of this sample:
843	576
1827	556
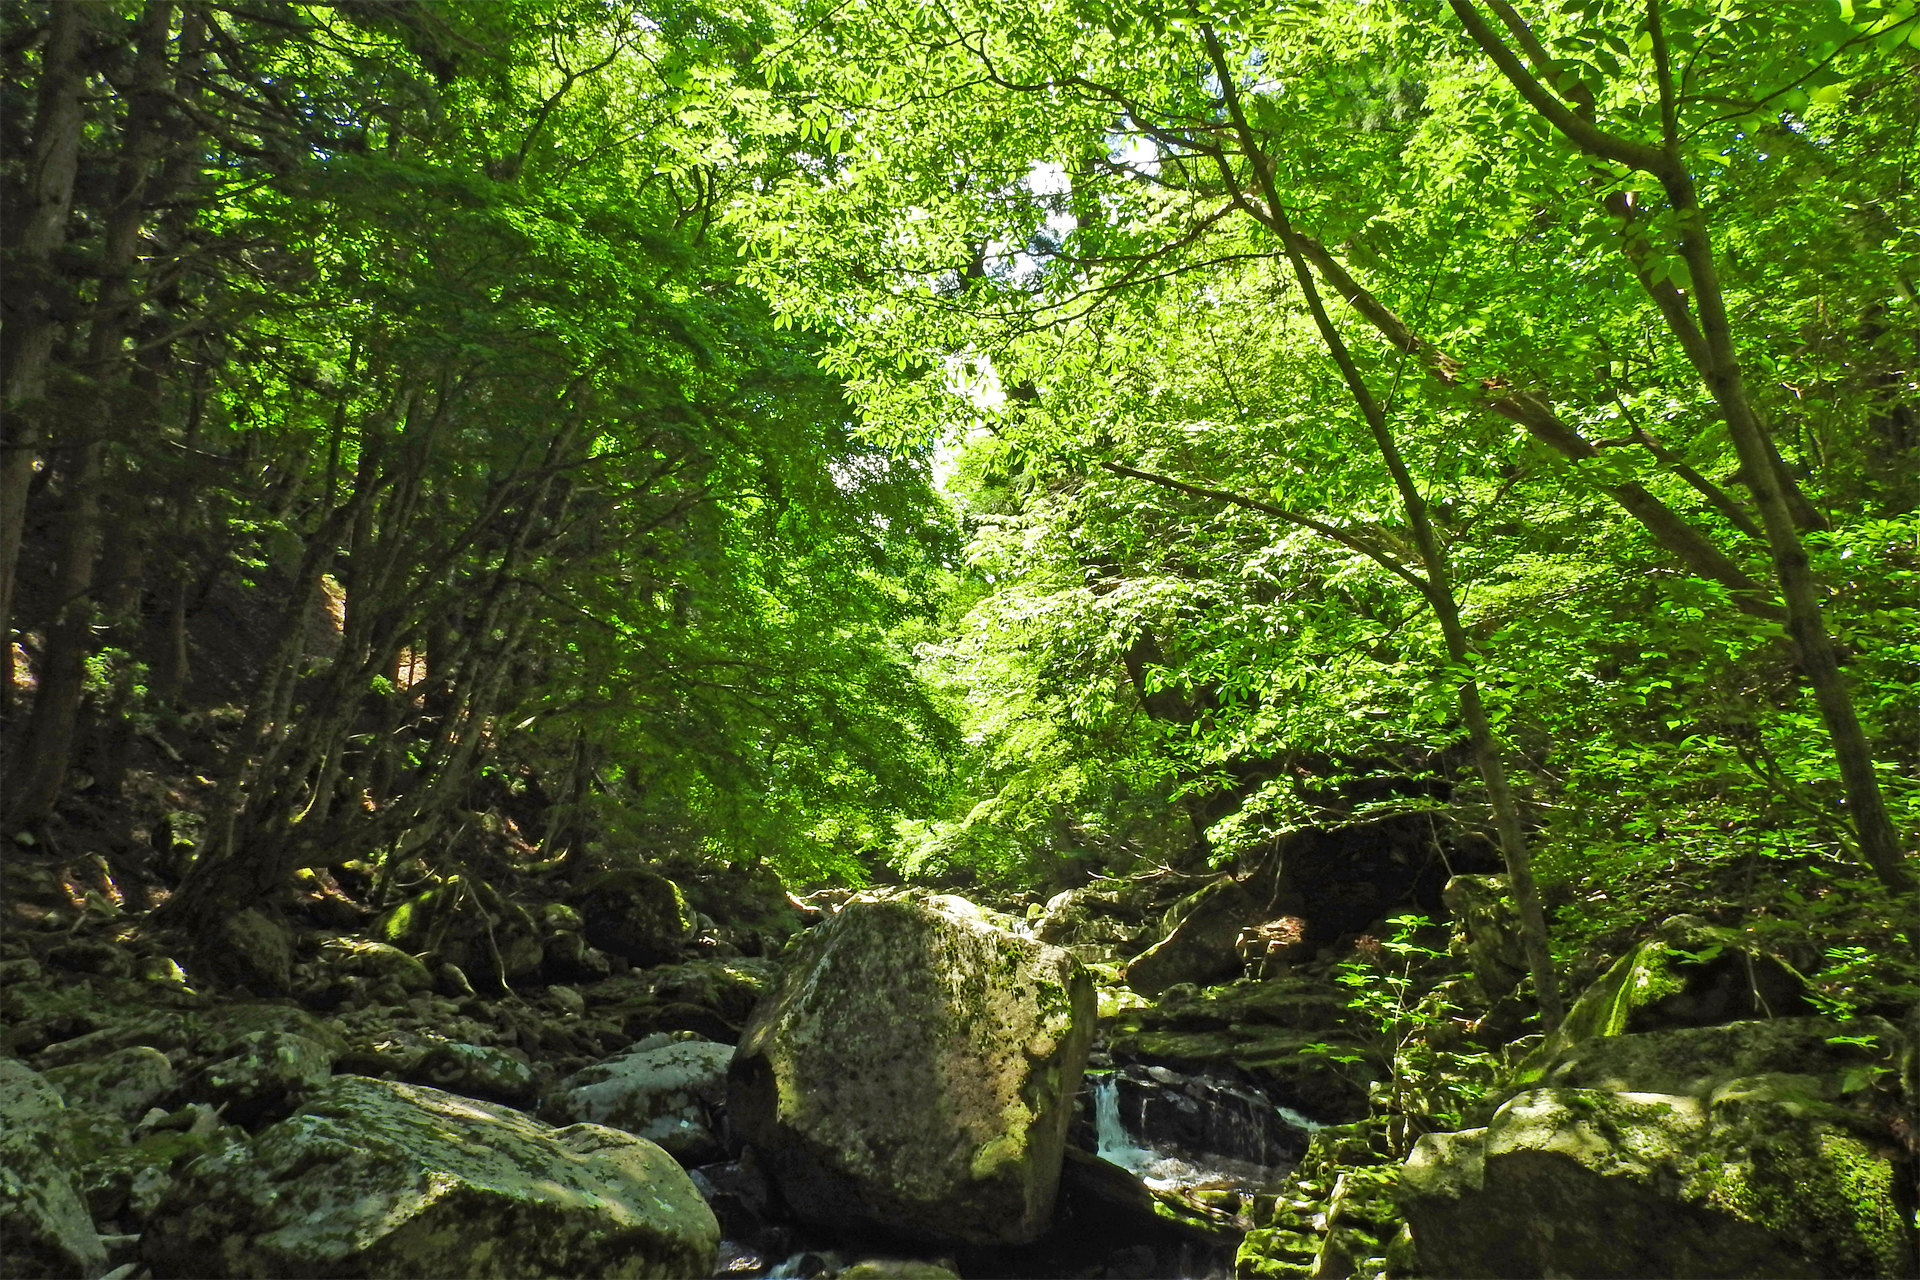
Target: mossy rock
1581	1182
376	1178
1688	974
914	1072
637	914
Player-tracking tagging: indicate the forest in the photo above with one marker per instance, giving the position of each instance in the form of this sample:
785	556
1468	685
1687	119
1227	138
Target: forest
1330	588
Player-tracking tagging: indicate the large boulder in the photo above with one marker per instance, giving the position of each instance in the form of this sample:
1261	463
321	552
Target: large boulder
45	1229
914	1072
377	1178
1759	1179
666	1091
1752	1148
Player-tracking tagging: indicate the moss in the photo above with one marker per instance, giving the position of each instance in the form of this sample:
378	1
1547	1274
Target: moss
1828	1193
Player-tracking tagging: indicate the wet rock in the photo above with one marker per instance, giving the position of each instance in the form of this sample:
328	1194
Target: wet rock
1204	1119
45	1229
1757	1180
268	1074
667	1093
914	1071
1282	1035
124	1083
636	914
376	1178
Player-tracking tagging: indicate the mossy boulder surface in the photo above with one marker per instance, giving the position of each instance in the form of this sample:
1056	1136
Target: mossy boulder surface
1755	1148
377	1178
1688	974
1584	1182
45	1229
914	1072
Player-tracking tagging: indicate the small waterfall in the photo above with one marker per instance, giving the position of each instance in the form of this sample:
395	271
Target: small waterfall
1114	1144
1171	1129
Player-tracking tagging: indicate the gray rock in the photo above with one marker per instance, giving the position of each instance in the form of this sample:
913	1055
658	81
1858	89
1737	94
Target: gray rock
44	1226
376	1178
914	1071
122	1084
666	1094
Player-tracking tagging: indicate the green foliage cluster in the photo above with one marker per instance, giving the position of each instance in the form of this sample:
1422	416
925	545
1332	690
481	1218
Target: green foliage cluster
1037	236
1316	392
432	325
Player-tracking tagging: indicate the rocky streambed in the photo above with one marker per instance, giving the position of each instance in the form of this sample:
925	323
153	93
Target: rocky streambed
915	1086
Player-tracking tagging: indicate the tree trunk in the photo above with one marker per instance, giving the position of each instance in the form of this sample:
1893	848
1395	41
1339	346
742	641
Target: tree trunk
40	772
33	288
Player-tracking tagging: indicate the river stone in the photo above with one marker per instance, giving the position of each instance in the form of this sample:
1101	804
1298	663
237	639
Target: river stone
1758	1180
377	1178
45	1229
914	1072
665	1093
